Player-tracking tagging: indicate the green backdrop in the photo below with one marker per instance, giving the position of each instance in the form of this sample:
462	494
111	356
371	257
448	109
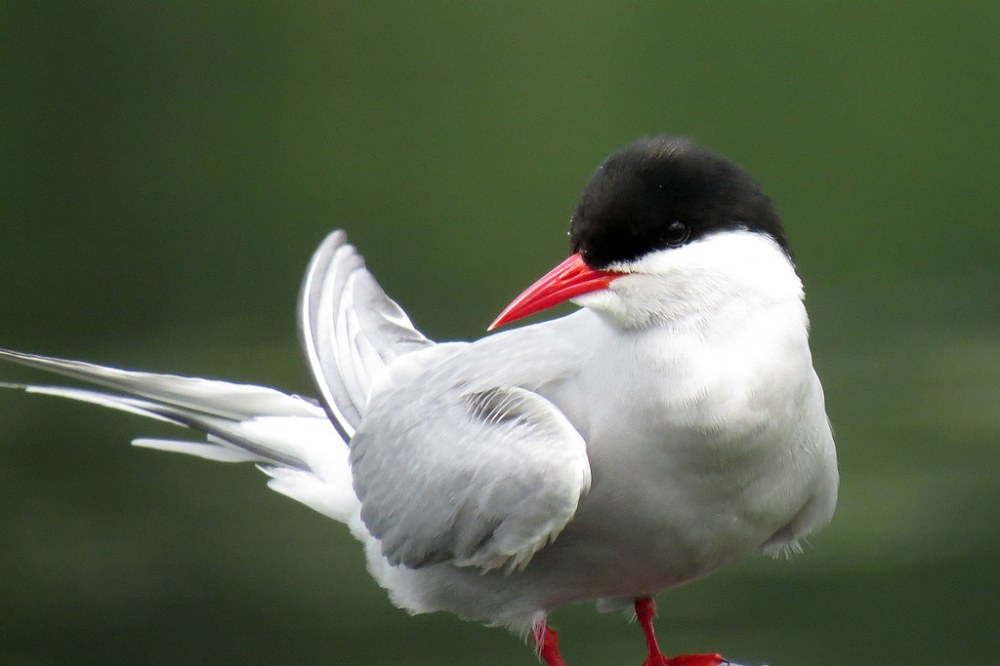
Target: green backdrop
167	168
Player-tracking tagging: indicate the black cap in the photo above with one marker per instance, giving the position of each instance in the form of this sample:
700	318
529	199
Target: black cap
662	192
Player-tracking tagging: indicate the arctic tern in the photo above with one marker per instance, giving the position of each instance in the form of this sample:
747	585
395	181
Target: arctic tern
671	426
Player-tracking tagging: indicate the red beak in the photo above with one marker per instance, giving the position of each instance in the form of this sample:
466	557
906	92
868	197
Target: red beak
570	278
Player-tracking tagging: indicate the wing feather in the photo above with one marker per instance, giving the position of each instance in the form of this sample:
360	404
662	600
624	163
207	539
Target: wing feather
477	476
349	329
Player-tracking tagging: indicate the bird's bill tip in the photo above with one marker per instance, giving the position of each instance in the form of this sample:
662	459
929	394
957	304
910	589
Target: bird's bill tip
571	278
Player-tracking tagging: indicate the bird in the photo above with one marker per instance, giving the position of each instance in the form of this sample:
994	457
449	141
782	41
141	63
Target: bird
672	425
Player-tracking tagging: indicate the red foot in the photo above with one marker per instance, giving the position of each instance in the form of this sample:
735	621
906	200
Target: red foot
685	660
547	642
690	660
645	611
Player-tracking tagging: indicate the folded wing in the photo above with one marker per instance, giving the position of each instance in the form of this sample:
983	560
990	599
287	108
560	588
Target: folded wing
480	476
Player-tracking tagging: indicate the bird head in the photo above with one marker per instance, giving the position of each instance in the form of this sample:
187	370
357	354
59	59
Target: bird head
665	229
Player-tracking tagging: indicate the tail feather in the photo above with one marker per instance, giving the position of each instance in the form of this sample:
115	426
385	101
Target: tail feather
289	437
350	330
206	396
216	452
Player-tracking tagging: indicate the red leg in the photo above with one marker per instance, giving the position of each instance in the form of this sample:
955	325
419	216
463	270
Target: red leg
645	611
547	643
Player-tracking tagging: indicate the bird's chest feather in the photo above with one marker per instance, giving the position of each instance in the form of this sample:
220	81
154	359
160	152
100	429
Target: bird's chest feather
703	449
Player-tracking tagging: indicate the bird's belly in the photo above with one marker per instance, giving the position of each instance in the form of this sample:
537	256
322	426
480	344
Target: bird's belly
634	535
652	521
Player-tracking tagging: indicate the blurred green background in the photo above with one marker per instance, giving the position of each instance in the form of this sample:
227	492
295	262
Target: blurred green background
167	168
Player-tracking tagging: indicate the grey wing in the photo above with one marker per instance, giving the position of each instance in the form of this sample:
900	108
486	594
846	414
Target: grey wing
481	478
349	329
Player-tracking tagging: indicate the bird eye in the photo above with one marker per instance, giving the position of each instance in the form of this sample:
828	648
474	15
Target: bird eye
676	233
